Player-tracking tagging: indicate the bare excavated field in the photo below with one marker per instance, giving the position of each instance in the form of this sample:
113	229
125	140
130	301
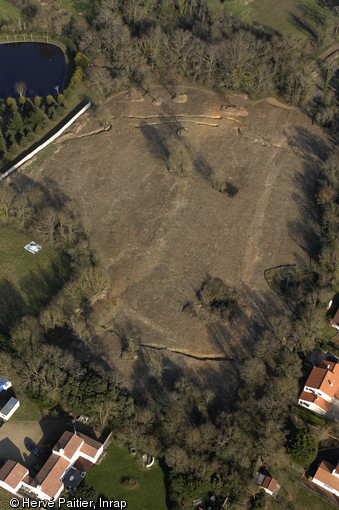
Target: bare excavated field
159	236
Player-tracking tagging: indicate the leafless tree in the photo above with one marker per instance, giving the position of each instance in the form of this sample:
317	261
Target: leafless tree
20	88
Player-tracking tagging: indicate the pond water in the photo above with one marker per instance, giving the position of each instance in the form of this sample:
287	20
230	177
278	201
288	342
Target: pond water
40	66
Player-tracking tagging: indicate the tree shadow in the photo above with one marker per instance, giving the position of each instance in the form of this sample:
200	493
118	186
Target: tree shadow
12	305
157	137
310	143
302	24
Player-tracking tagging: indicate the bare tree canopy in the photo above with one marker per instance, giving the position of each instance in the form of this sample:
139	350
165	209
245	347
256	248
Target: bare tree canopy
20	88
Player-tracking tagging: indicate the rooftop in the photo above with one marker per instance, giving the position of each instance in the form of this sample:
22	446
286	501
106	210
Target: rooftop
70	443
315	399
324	475
12	473
270	483
9	406
322	379
49	476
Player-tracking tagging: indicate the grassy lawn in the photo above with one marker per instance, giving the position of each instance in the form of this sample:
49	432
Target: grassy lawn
118	463
28	410
326	332
26	280
5	499
294	495
278	14
8	13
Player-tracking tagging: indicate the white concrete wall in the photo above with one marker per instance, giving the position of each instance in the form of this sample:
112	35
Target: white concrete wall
43	145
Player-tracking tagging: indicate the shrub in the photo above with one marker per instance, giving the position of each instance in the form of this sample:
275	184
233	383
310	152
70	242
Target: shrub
81	60
226	187
302	447
49	100
308	416
129	483
219	299
37	101
61	99
259	501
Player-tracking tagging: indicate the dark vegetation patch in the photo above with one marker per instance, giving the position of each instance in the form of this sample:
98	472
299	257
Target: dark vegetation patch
220	300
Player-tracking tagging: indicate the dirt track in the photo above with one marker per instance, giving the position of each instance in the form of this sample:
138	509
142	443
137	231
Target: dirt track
159	236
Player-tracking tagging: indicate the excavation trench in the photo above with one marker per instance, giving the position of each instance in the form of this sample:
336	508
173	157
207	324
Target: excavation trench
217	357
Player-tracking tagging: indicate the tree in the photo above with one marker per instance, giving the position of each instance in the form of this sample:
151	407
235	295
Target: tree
81	60
302	447
259	501
180	158
20	88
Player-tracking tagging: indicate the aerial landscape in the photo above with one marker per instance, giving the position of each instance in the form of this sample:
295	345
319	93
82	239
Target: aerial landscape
169	278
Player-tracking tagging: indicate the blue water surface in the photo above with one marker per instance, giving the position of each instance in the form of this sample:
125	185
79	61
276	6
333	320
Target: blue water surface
41	66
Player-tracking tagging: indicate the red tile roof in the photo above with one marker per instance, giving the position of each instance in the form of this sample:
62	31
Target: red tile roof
322	379
315	399
50	474
90	447
12	473
68	442
324	475
269	483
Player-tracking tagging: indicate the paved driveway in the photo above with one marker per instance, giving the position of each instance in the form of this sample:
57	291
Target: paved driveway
15	436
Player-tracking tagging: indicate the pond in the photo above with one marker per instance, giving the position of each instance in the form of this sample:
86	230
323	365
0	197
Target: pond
38	67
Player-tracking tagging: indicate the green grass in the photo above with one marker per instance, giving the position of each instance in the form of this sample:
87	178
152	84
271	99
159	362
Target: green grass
5	498
326	333
278	14
27	281
8	13
294	495
28	410
106	478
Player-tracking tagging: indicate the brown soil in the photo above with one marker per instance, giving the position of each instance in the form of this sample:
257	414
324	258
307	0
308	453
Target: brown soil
159	235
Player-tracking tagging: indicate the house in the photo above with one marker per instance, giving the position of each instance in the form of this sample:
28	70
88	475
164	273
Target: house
321	388
11	405
266	482
11	476
270	485
335	321
327	477
5	384
72	453
9	408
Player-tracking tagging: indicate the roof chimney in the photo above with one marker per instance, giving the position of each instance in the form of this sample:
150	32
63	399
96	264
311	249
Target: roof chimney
61	450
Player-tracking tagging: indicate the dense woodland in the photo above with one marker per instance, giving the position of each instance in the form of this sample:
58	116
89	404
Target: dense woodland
204	449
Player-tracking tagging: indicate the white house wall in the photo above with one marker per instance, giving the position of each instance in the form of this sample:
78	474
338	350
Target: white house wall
312	407
327	487
8	487
12	411
318	392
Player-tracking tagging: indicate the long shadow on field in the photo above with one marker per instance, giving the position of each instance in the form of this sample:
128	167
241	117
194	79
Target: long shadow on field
308	142
303	24
12	305
304	231
158	136
53	195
